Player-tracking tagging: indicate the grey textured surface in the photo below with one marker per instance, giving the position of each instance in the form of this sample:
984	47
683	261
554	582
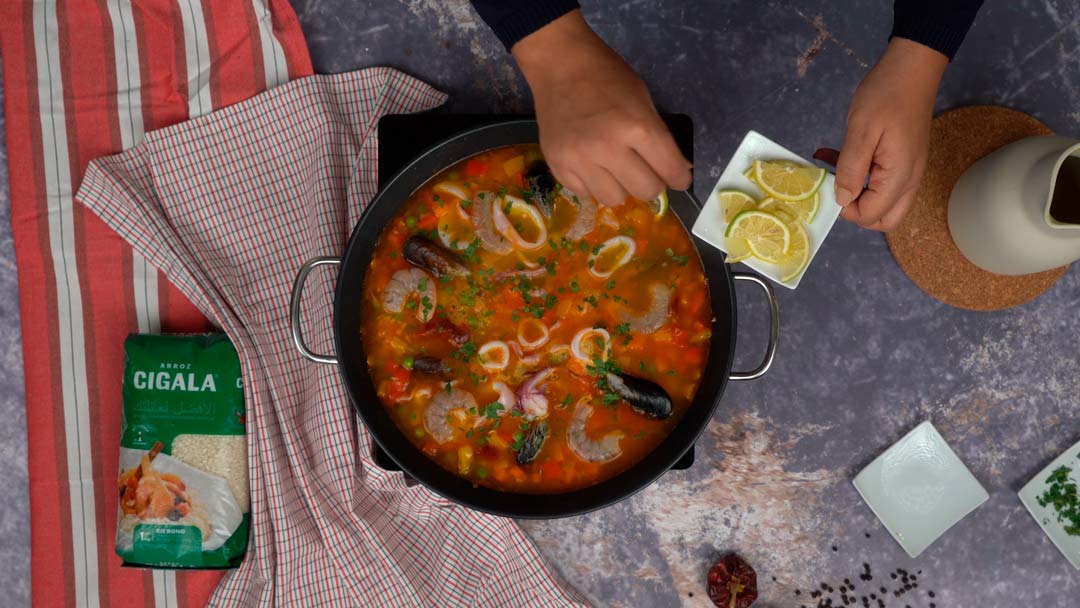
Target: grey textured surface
864	355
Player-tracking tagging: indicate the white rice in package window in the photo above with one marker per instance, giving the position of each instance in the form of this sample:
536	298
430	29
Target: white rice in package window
183	482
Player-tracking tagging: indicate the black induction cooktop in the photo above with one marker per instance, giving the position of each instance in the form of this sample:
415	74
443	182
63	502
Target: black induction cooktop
402	137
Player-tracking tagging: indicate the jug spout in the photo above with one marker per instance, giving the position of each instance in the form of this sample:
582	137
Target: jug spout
1063	208
1017	210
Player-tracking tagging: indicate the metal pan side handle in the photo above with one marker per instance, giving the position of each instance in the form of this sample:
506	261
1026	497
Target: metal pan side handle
774	327
294	307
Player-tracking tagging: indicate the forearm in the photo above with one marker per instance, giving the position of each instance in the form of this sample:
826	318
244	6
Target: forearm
566	48
938	24
512	20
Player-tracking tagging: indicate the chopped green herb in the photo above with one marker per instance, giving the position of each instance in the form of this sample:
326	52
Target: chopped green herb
466	203
592	300
1061	494
610	284
582	245
410	221
597	248
466	352
393	255
493	409
565	402
574	287
412	304
470	252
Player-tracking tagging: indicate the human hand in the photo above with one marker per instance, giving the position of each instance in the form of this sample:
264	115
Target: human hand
888	132
600	133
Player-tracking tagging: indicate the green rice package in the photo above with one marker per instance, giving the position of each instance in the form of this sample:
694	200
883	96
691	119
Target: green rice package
183	481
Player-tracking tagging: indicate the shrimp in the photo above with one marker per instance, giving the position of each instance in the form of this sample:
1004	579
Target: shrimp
436	417
585	220
657	315
407	282
484	224
602	450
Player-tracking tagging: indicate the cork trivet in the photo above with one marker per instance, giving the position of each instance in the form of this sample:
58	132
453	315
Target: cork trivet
922	244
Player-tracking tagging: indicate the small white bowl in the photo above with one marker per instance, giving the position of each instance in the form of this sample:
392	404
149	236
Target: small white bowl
1046	517
919	488
710	224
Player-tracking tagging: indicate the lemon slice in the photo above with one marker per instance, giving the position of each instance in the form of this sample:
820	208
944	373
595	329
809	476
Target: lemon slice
734	202
798	255
780	209
786	180
767	235
738	249
659	205
807	208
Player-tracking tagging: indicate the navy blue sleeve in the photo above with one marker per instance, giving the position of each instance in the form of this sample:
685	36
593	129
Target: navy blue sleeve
512	20
938	24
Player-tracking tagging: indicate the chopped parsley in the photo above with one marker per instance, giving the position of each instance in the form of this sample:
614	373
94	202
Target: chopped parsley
599	369
610	284
465	353
410	221
493	410
592	300
574	286
466	203
407	363
623	329
681	260
470	252
1061	494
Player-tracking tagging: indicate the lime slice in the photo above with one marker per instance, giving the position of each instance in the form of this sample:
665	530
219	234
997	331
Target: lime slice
734	202
767	235
659	205
786	180
780	209
738	249
798	255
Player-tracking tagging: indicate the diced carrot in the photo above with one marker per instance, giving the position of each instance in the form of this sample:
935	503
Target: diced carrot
474	167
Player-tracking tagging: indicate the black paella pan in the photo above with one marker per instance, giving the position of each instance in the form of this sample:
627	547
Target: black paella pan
352	362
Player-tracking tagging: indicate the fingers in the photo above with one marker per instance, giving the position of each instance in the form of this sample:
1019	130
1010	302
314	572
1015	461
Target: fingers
604	187
893	217
635	175
658	148
856	155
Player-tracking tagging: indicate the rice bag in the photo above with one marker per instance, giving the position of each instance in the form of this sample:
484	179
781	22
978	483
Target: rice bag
183	482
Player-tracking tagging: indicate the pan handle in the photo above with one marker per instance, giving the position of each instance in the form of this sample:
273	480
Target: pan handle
294	307
774	327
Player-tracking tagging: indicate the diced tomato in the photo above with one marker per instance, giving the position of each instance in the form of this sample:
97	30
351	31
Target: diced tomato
551	469
474	167
428	222
399	381
430	449
692	356
678	336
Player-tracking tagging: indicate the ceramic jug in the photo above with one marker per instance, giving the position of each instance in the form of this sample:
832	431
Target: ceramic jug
1017	210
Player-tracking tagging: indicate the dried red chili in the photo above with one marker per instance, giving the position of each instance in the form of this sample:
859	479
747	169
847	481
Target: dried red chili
732	583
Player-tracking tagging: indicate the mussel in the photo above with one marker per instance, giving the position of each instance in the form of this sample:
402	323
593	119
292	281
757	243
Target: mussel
532	442
644	396
541	185
431	365
421	252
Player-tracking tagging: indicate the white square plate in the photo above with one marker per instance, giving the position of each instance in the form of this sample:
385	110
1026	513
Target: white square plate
919	488
1046	516
710	224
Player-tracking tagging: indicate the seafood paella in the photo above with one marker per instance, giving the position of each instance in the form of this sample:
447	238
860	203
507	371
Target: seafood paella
527	339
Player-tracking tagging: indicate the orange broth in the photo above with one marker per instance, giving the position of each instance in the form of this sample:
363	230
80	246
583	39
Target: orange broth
566	297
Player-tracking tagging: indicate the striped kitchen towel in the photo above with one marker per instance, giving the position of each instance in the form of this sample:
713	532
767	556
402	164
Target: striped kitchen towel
229	206
83	78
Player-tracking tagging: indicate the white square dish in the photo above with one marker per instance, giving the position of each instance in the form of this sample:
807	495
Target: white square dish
919	488
1046	517
710	224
